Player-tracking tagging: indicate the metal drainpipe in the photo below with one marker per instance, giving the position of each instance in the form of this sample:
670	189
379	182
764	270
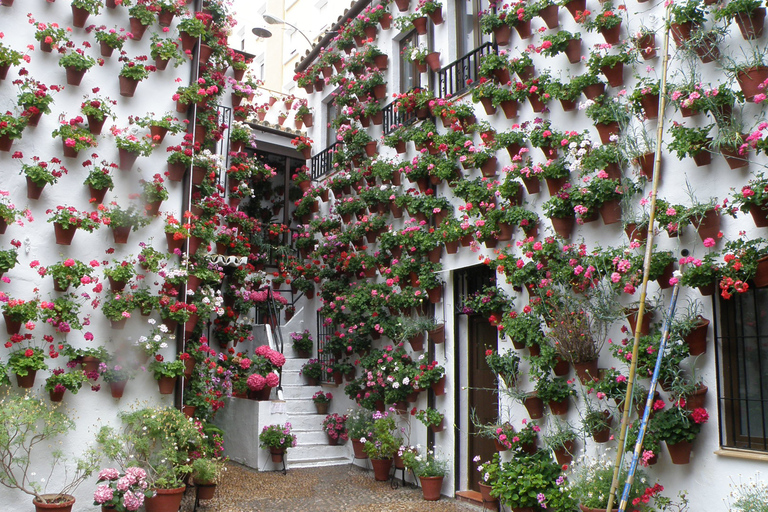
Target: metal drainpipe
186	200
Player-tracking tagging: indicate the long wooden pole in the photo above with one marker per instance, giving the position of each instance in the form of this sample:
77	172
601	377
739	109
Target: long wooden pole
646	266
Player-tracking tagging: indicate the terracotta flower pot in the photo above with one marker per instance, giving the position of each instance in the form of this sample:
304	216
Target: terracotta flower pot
586	371
563	226
33	189
502	34
549	15
433	60
680	453
751	25
117	388
573	51
64	235
64	505
357	448
26	381
535	406
381	469
166	385
430	487
74	75
750	79
277	455
79	16
165	500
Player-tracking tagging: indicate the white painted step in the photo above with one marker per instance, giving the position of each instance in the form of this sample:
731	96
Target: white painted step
304	453
306	421
299	391
314	436
302	405
314	463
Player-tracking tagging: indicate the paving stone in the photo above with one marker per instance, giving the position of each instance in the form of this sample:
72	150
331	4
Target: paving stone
348	487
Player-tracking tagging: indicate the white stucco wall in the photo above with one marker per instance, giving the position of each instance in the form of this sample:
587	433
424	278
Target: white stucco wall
91	409
708	476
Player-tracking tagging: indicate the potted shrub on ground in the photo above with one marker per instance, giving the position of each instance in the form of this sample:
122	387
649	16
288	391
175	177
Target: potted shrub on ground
430	470
30	423
381	444
206	472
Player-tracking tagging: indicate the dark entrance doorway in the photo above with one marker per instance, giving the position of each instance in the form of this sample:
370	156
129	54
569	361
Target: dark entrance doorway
482	399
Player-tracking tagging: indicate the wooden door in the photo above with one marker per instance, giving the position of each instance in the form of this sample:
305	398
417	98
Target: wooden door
482	397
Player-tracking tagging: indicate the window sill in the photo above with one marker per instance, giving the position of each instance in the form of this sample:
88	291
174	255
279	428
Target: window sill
737	453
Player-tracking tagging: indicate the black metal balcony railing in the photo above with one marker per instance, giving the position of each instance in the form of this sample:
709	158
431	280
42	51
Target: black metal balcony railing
322	163
462	74
394	118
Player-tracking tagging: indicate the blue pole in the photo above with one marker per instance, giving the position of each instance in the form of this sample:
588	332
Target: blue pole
649	401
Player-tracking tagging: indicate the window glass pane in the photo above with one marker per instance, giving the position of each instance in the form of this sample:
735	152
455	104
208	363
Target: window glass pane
409	75
744	382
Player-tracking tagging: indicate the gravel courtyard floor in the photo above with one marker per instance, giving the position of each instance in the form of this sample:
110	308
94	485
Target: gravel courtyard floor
345	488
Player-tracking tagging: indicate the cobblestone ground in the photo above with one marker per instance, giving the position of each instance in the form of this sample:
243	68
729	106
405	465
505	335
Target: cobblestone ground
348	488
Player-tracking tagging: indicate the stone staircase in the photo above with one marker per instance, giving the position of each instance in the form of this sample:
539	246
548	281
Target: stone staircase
312	447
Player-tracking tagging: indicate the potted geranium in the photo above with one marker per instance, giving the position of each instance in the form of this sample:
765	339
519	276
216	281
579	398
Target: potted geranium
131	147
76	62
9	259
97	110
122	221
17	312
119	273
50	35
116	375
74	137
277	438
8	211
61	381
432	419
41	173
133	71
69	272
99	180
302	342
11	128
166	373
25	362
321	401
8	57
335	426
109	39
153	194
163	50
690	141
